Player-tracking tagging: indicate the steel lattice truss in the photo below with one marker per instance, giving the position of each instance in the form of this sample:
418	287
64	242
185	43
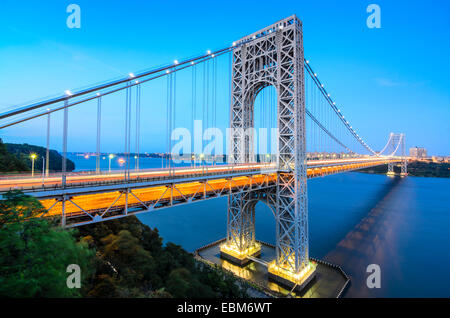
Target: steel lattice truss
274	57
77	209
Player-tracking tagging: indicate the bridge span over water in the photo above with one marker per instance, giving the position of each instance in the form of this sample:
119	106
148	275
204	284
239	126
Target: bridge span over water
269	84
88	198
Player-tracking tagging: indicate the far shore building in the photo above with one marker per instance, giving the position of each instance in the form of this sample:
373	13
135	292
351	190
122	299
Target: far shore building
419	153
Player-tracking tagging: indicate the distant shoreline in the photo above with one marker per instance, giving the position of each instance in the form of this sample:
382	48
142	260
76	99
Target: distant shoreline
417	169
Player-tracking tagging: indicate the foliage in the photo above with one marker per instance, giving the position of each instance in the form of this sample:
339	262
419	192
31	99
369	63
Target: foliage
22	153
134	263
34	255
9	162
118	258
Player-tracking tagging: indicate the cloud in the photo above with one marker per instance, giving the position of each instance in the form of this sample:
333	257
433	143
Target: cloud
387	82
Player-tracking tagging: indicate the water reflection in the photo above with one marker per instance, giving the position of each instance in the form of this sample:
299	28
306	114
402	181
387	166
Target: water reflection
356	219
372	241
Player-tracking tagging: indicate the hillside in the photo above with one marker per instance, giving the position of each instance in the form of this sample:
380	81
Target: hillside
9	162
22	153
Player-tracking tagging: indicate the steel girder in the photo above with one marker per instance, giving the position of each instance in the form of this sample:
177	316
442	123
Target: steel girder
128	200
273	57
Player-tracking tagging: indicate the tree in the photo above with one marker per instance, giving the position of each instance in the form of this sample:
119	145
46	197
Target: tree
132	262
34	255
9	162
178	283
22	152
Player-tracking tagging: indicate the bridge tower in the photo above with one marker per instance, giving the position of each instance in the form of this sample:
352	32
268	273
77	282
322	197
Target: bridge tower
397	142
404	165
272	56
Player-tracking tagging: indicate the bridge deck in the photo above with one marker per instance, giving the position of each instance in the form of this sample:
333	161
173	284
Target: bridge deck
92	198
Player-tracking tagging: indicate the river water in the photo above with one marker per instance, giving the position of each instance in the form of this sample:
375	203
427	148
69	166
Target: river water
355	219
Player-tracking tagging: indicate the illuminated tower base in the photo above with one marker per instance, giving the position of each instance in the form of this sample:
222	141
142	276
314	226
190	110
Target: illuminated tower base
284	276
390	171
239	257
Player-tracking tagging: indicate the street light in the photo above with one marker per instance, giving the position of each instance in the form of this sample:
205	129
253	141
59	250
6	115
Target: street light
110	157
32	156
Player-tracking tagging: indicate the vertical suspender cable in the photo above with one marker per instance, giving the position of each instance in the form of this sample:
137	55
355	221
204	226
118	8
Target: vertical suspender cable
65	128
128	162
230	98
215	105
174	112
164	159
99	116
208	62
193	93
126	124
138	126
203	112
47	152
169	152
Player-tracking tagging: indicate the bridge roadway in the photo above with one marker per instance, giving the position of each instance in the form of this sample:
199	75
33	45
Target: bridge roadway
88	198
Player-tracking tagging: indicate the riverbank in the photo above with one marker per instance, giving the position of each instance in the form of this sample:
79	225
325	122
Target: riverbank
416	169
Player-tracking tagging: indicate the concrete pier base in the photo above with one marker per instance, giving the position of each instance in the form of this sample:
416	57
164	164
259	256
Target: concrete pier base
237	258
327	280
242	261
292	285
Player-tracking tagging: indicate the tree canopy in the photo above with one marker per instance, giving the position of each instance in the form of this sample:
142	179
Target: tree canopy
34	254
118	258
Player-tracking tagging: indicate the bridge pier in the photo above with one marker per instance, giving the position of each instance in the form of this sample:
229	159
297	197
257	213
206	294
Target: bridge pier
241	241
404	168
390	171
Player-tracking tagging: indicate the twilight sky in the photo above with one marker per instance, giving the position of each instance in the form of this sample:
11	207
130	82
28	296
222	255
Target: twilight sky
391	79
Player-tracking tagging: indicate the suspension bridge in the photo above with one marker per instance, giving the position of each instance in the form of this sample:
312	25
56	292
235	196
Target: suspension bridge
283	128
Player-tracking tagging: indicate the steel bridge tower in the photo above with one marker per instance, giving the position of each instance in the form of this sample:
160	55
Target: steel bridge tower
398	141
274	56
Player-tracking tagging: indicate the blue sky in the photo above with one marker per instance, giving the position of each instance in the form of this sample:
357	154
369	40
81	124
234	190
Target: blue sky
389	79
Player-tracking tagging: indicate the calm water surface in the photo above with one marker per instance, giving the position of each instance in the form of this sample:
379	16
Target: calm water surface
355	219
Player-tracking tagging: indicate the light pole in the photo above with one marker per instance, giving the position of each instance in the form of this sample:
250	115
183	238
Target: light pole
32	156
110	157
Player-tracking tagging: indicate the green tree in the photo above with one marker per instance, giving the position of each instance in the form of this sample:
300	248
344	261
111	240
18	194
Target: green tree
9	162
132	262
23	151
34	255
135	265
